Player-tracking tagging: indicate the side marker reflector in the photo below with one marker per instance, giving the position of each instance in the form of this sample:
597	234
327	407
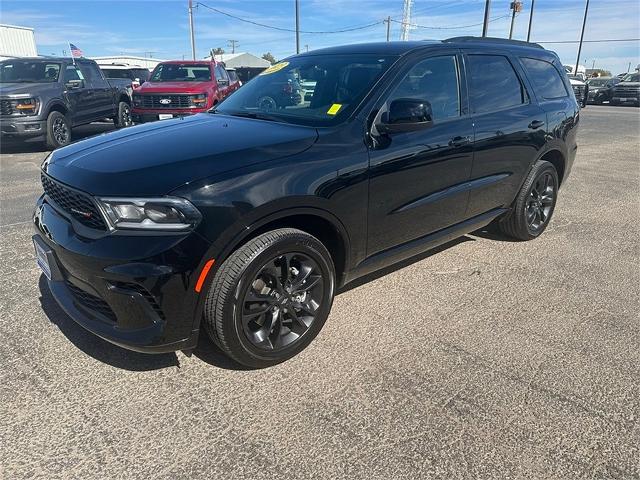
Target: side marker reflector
203	274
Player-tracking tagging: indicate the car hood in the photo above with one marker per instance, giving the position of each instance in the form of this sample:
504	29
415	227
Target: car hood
156	158
173	87
27	88
576	82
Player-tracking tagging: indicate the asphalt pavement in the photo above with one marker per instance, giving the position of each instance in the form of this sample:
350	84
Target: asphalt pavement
487	359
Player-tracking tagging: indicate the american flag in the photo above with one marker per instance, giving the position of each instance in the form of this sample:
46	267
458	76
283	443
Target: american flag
75	51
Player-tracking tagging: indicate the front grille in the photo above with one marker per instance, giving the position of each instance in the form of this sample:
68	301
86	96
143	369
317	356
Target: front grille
5	107
145	293
627	92
92	302
579	90
154	101
76	204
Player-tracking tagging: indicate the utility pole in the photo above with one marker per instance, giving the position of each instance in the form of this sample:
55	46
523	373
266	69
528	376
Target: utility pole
487	11
406	20
306	46
388	22
533	2
232	44
193	39
516	7
584	24
297	26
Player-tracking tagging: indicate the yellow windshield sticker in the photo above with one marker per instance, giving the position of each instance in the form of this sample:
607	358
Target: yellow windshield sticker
334	109
275	68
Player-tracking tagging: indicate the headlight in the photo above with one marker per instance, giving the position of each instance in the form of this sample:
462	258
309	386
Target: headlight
25	106
166	213
199	100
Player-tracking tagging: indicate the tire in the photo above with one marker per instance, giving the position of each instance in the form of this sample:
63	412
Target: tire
123	119
267	103
532	209
251	315
58	130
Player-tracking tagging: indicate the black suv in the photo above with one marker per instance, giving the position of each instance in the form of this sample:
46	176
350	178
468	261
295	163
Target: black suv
247	220
47	96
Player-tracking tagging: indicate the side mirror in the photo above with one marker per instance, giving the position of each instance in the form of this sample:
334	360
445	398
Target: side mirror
223	82
74	84
406	115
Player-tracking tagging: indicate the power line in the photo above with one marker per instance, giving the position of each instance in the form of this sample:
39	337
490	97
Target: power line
595	41
456	27
273	27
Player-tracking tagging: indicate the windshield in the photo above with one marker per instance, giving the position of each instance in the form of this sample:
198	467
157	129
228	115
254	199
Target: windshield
116	73
598	82
334	85
632	77
28	71
175	72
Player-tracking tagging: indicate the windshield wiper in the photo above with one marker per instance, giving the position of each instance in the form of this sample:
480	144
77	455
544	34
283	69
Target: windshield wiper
255	115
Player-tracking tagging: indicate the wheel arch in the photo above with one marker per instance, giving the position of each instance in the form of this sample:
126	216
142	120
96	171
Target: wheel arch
57	107
557	159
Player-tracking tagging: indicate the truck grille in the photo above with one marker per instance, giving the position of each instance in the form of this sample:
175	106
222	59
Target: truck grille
5	107
154	101
627	92
579	91
76	204
92	302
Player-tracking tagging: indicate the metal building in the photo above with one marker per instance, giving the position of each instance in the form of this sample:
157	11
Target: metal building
149	63
17	42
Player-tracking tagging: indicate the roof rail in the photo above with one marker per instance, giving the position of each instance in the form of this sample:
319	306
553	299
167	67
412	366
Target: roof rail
505	41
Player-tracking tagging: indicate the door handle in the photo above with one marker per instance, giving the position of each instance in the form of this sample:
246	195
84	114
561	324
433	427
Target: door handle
536	124
459	141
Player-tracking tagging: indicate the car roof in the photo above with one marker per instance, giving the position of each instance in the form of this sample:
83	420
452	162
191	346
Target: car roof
188	62
401	48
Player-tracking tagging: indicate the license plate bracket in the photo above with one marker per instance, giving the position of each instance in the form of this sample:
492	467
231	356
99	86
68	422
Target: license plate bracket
42	259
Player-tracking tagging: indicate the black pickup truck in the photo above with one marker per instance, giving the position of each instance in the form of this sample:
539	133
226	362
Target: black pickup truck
47	97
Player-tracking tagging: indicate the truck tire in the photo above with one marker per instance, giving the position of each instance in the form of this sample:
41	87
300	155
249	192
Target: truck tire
534	205
58	130
123	118
270	298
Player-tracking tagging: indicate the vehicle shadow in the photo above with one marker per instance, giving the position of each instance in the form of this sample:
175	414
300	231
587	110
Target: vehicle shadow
96	347
405	263
210	353
36	145
491	232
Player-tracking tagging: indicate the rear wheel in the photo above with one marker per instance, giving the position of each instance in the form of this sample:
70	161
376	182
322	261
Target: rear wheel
58	130
534	205
123	119
270	298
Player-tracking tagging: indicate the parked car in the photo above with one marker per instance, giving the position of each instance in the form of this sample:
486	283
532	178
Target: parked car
601	89
248	219
47	97
180	88
131	75
627	91
580	89
283	93
234	82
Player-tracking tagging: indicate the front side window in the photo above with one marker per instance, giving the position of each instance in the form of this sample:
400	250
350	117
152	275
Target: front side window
26	71
176	72
221	74
435	80
339	83
71	73
91	72
545	78
494	84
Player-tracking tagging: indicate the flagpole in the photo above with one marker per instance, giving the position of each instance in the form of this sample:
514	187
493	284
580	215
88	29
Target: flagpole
73	59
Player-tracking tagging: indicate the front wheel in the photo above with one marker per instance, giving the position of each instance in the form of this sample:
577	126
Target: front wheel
123	119
270	298
534	205
58	130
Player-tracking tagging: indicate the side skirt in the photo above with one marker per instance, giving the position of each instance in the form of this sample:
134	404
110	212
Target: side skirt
412	248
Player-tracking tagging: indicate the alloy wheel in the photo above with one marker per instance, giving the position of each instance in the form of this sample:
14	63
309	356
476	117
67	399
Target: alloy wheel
125	119
281	302
60	131
540	201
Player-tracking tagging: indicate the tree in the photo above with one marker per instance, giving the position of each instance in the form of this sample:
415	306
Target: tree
269	58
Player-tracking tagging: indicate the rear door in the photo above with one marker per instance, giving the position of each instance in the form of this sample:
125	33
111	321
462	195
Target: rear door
222	79
101	96
418	179
509	129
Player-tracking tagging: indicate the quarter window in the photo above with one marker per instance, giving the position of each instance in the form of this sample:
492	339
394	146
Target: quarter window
545	78
435	80
494	84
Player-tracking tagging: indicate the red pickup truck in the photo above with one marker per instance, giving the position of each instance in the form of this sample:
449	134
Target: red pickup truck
178	88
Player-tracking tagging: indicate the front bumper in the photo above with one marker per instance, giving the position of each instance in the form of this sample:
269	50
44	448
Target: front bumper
22	127
134	291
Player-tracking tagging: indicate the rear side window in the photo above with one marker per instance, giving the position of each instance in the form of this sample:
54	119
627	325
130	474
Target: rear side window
545	78
494	84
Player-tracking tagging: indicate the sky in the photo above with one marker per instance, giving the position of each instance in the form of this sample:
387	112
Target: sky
160	28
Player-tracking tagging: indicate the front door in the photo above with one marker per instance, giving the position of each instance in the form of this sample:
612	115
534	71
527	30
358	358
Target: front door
418	179
76	91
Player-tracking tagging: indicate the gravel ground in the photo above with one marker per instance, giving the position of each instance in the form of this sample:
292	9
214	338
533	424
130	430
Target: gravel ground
488	359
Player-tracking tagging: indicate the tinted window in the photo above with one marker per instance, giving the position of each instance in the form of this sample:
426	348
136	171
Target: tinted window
24	71
494	83
434	80
91	72
72	73
545	78
221	73
116	73
232	76
141	73
175	72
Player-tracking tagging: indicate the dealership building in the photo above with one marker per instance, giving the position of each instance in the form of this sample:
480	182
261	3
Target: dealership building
17	41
